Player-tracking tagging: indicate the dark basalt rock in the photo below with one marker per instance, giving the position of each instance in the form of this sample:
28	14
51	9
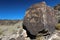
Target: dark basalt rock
0	38
40	17
12	39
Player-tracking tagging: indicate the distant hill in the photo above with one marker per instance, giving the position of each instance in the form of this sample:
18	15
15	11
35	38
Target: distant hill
9	22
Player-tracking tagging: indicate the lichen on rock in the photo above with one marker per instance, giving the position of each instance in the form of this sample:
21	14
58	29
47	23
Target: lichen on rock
40	17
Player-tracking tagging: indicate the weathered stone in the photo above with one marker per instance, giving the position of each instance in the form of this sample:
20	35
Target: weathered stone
55	35
40	17
57	7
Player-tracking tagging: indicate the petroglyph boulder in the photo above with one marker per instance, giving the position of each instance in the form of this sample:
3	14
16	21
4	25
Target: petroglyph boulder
40	17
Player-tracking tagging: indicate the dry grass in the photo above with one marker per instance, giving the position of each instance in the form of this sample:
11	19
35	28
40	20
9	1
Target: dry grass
6	29
58	26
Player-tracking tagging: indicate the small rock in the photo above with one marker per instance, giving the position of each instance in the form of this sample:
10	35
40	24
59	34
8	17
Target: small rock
55	36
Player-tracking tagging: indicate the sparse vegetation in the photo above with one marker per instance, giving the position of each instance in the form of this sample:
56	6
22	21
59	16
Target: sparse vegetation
1	32
58	26
40	37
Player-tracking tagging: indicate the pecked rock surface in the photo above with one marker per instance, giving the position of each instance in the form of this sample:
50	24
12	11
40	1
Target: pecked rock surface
40	17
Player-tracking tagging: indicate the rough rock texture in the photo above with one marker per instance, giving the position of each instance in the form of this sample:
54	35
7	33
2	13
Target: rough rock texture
40	17
55	36
57	7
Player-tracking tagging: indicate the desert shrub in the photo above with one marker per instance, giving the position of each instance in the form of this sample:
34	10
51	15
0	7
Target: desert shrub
58	26
1	32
